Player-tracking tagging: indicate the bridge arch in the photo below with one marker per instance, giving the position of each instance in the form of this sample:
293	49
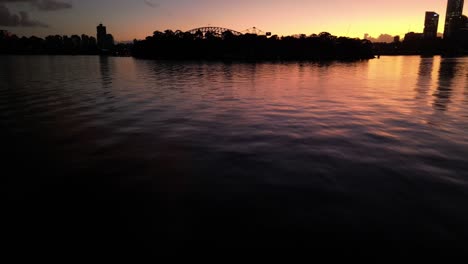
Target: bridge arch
215	30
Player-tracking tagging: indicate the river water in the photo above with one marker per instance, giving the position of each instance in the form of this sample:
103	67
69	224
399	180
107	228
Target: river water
139	153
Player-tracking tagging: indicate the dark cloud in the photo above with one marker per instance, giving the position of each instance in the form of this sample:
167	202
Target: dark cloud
152	3
52	5
44	5
22	19
13	20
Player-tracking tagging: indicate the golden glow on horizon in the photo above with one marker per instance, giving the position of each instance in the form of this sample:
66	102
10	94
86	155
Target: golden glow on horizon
354	31
128	20
396	18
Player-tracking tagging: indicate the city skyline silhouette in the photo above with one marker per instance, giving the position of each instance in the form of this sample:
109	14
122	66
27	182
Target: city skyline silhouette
136	20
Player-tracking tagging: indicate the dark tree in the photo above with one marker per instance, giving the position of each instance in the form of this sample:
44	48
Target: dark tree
210	45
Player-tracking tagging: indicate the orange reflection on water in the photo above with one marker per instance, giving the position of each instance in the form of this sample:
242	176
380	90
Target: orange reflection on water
365	93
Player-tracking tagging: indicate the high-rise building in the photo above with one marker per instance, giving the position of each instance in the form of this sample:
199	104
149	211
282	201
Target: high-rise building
454	15
101	36
431	24
109	42
104	41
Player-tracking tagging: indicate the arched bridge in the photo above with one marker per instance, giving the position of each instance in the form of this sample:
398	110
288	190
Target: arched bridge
215	30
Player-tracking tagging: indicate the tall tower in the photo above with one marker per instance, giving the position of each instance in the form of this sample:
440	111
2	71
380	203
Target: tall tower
431	24
454	14
101	36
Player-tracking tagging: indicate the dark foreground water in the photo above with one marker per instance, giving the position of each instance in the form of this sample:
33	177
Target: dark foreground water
113	154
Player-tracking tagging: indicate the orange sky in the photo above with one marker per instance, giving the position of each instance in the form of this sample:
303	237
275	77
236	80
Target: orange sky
129	19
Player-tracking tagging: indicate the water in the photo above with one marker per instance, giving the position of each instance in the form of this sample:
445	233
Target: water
136	153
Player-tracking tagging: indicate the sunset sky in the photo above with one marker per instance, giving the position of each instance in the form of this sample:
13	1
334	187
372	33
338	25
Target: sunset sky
129	19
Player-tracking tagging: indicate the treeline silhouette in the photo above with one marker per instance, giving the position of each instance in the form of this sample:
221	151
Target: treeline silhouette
56	45
50	45
411	46
210	46
415	44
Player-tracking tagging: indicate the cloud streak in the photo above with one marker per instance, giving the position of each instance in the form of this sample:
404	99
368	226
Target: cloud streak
151	3
43	5
22	19
13	20
51	5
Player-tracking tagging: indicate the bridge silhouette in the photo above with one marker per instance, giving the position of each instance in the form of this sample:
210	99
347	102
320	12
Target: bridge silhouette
220	30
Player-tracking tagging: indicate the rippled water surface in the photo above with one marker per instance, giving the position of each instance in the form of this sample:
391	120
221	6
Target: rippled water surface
272	154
